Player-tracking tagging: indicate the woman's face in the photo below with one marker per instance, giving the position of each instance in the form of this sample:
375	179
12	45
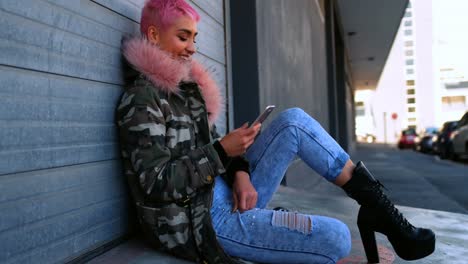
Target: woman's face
178	39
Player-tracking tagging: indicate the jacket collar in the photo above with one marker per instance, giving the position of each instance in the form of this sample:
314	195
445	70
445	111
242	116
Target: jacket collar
166	73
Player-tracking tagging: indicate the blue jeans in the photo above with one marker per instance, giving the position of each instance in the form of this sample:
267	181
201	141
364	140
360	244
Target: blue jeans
268	236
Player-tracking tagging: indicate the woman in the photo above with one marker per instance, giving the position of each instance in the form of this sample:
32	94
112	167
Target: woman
173	157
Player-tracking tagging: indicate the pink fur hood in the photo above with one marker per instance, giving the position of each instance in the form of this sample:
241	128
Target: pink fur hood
166	73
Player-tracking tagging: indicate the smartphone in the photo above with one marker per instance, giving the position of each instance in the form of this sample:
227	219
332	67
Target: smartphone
264	115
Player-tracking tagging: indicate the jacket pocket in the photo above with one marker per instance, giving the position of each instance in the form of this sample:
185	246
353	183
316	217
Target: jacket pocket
170	225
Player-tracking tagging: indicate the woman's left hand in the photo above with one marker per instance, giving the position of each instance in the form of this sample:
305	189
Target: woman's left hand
244	194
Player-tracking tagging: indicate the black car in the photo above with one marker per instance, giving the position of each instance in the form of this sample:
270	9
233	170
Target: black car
427	141
443	143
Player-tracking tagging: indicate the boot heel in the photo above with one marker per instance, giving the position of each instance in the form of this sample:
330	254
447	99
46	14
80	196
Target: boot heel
370	245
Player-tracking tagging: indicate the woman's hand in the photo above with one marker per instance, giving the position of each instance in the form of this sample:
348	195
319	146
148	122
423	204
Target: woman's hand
236	142
244	195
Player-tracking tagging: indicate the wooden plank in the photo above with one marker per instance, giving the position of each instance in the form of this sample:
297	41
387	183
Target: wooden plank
28	57
43	158
210	39
212	8
40	207
73	246
125	8
54	110
44	86
46	116
30	184
139	3
33	135
31	33
50	230
101	14
62	19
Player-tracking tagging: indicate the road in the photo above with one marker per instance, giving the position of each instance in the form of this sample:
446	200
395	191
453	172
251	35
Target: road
412	178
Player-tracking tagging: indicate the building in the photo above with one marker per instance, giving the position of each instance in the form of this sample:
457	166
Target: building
62	194
365	118
450	53
423	82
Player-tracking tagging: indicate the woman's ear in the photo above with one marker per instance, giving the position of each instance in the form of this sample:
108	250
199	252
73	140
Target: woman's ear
153	35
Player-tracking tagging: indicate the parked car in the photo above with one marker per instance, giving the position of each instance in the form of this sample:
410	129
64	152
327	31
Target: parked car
427	140
444	142
460	138
368	138
408	139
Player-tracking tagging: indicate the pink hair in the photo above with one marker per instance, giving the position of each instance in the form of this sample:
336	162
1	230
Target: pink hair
166	73
161	13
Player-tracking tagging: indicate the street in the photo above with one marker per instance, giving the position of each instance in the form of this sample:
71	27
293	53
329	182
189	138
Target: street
411	178
430	192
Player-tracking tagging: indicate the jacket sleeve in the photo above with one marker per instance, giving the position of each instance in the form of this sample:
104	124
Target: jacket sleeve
232	165
162	175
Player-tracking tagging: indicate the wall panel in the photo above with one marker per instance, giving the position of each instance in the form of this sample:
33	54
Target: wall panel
62	192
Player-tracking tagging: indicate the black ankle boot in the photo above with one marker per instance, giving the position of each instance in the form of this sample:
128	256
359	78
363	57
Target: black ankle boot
378	214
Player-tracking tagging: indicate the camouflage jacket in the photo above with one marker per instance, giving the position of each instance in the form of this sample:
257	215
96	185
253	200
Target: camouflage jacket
166	135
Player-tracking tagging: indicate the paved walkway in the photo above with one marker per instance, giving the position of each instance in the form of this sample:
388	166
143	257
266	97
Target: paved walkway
451	228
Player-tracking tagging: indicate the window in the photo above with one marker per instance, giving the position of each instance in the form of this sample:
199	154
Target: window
410	82
408	32
409	62
408	43
446	69
410	91
456	85
412	119
453	99
454	102
360	109
408	14
409	71
412	127
409	53
408	23
411	100
411	109
409	4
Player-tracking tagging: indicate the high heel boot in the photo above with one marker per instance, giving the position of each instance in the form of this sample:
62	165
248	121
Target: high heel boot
378	214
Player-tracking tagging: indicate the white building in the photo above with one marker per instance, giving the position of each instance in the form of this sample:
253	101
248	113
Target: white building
424	82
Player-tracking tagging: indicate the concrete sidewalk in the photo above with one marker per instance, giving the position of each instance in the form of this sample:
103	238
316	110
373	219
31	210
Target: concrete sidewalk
317	196
450	229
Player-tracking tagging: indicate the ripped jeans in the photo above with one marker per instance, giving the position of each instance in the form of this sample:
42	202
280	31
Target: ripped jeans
268	236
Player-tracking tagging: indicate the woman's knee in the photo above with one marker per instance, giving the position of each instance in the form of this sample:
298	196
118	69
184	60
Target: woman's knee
293	116
336	237
343	243
296	117
294	112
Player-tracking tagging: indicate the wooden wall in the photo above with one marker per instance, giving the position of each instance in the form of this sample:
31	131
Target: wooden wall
62	192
